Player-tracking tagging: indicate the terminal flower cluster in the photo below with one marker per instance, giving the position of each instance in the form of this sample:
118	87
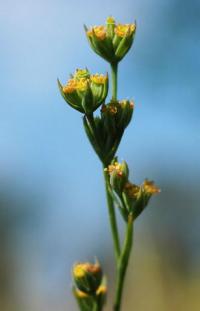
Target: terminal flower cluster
111	41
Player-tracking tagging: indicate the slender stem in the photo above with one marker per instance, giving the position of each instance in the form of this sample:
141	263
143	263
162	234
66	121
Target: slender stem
114	71
123	263
112	217
96	306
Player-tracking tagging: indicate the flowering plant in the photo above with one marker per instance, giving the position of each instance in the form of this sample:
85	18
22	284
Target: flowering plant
86	93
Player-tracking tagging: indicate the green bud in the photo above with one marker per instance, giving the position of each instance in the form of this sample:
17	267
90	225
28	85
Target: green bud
126	113
87	277
118	176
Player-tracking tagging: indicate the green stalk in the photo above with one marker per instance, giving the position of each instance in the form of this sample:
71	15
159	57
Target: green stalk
112	216
114	75
96	306
111	209
123	263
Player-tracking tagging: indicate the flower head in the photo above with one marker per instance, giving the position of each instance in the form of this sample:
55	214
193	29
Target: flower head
85	92
136	197
131	190
118	173
87	276
124	30
111	41
150	188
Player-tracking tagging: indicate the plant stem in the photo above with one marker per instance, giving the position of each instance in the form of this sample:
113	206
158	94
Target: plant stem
96	306
123	263
114	71
112	217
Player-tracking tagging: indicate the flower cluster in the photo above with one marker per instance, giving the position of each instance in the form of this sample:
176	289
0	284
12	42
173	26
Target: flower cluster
89	289
105	132
85	92
111	41
131	198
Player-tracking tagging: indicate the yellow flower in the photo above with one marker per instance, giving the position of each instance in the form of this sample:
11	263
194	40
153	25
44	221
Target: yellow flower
124	102
82	85
111	41
131	190
81	269
150	188
85	92
87	276
116	167
111	108
81	73
110	20
70	86
98	31
98	79
123	30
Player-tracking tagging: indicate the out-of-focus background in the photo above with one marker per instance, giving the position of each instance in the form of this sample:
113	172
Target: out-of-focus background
52	202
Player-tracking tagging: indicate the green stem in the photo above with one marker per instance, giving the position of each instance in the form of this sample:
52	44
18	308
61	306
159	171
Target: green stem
123	263
96	306
114	71
112	216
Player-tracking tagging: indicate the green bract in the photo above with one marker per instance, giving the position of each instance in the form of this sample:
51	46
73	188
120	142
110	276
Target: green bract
85	92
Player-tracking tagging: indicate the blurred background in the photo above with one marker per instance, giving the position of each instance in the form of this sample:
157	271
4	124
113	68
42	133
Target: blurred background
52	201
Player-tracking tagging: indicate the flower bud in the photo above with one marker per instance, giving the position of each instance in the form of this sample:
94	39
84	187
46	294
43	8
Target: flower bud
118	114
118	175
111	41
136	198
109	128
87	277
85	92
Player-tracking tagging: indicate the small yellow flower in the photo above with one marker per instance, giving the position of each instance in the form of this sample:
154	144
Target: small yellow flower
111	108
131	190
81	73
111	41
110	20
82	85
81	269
98	31
124	102
70	86
98	79
150	188
123	30
117	167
